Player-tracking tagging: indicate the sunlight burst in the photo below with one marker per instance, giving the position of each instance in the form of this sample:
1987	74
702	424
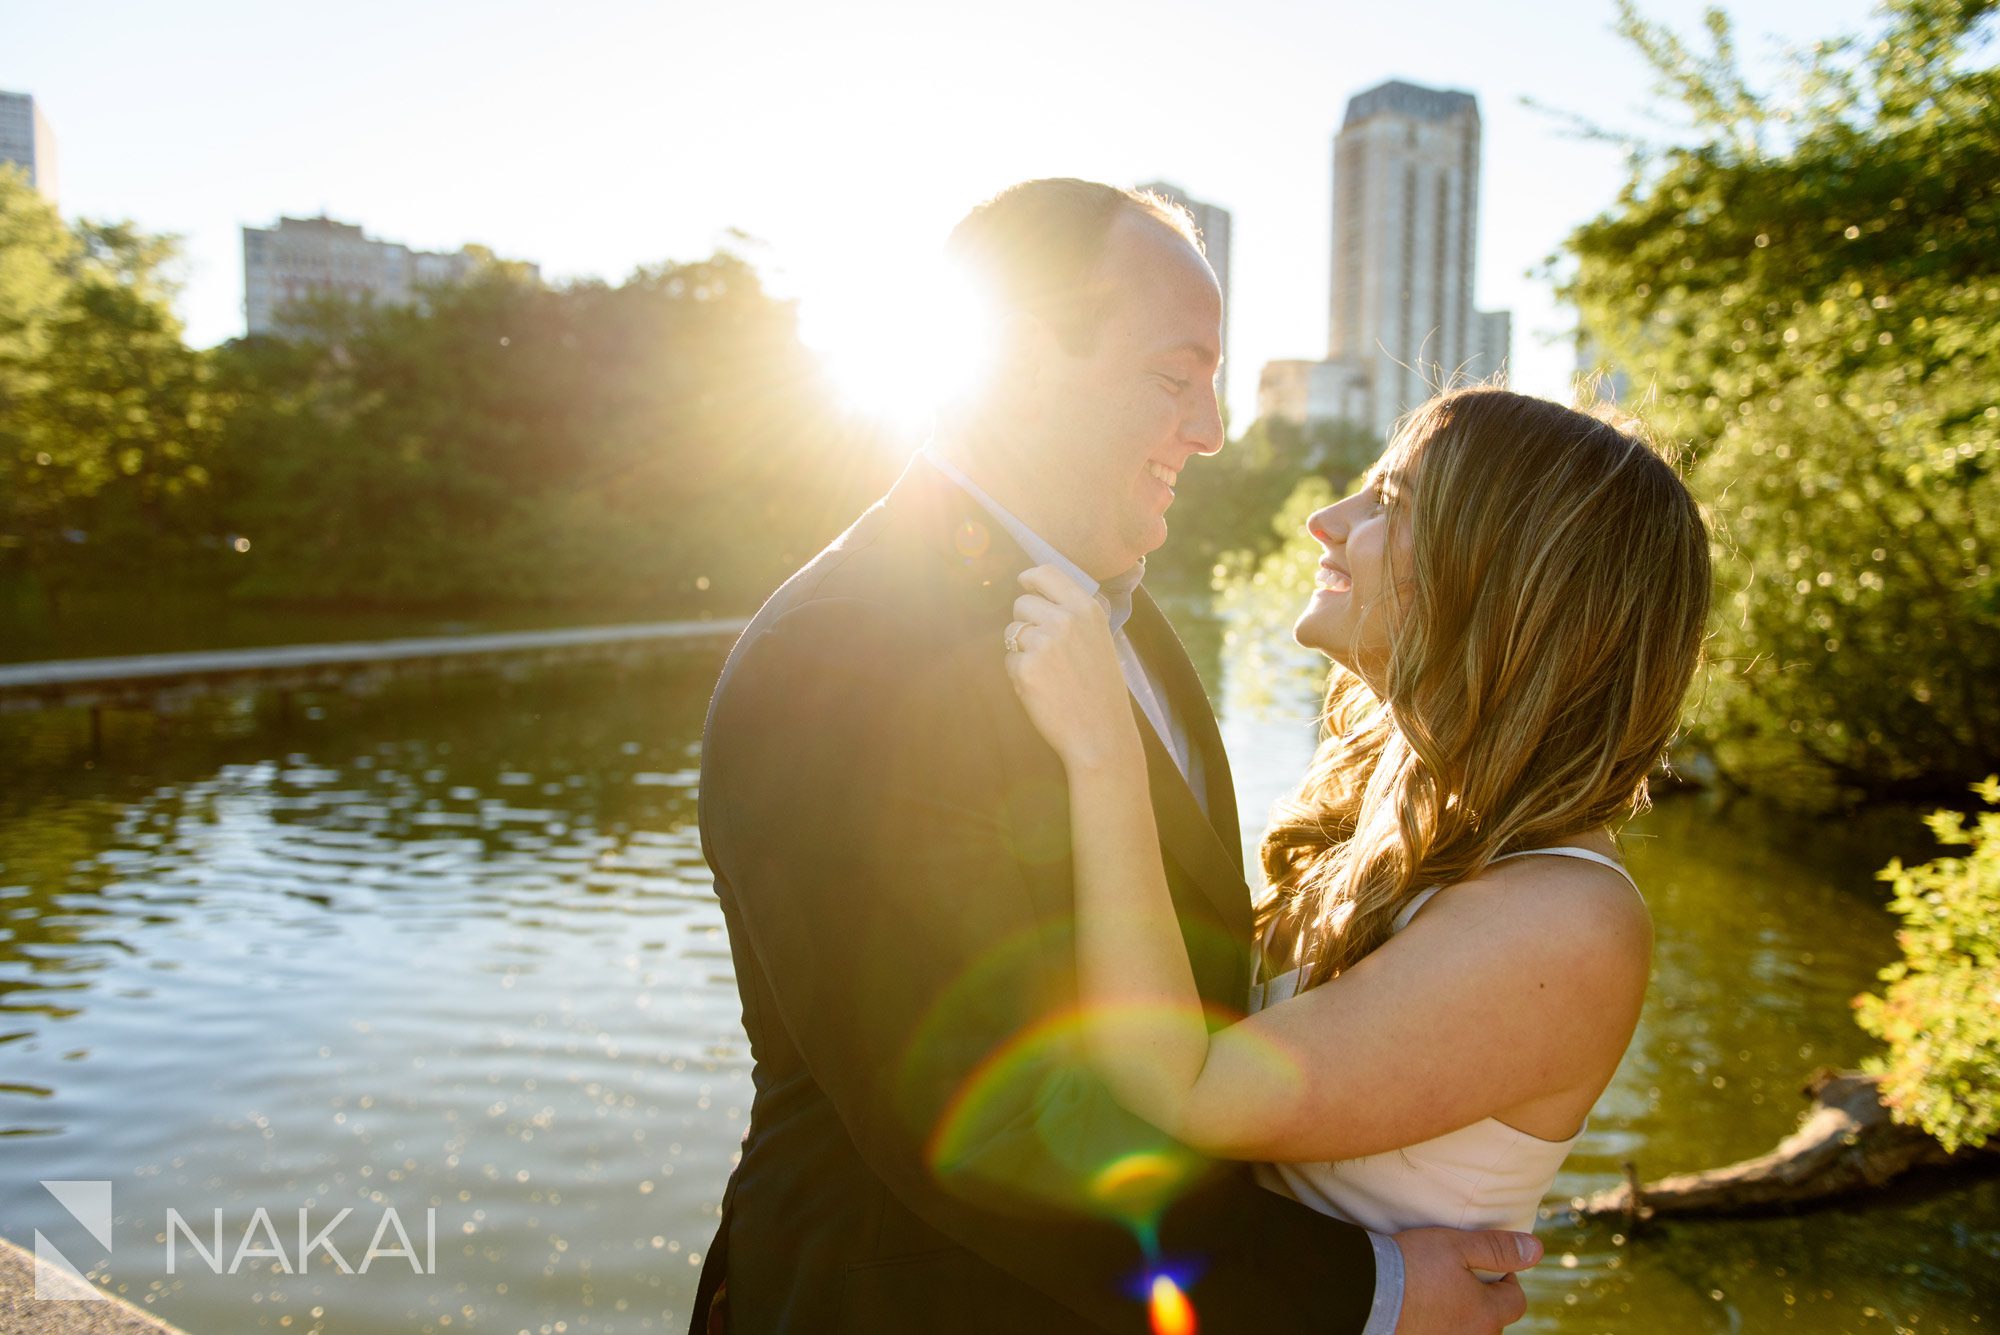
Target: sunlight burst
896	346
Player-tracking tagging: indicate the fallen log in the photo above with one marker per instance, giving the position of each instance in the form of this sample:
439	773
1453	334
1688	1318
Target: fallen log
1847	1144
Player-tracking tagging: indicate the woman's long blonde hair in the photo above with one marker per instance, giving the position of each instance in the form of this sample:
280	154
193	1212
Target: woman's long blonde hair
1556	598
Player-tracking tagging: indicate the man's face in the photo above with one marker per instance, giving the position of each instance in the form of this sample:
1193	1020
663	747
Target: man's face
1118	423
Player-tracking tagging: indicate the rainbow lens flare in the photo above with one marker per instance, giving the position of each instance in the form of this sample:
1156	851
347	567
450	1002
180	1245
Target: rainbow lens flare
1169	1308
1137	1187
971	539
998	1081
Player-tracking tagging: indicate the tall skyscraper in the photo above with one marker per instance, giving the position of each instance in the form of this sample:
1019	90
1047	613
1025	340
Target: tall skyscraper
309	257
1405	237
1306	392
26	139
1212	221
1599	373
1490	351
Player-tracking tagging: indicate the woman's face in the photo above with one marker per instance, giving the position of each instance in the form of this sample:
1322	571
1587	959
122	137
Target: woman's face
1363	576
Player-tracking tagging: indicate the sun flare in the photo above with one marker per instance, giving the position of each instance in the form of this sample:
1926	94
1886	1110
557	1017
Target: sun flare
896	348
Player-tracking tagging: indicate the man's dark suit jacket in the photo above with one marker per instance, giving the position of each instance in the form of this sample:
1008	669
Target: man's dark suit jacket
890	841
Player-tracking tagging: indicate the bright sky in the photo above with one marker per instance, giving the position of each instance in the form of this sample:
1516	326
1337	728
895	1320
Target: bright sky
594	136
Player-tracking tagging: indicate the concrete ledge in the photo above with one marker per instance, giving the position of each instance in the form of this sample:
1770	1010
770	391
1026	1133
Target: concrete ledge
21	1313
146	680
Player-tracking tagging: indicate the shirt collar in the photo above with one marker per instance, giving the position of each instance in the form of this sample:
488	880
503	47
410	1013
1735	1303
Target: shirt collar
1114	594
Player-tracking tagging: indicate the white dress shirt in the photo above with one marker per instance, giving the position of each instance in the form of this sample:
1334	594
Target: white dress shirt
1114	595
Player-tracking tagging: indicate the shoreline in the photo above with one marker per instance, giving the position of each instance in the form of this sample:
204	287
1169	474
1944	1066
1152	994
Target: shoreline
104	1313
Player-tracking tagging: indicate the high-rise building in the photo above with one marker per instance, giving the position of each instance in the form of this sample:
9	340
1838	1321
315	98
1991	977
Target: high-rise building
1597	373
1492	347
310	257
1212	221
27	140
1306	392
1405	234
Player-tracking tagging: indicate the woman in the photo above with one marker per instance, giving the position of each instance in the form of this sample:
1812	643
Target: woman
1513	603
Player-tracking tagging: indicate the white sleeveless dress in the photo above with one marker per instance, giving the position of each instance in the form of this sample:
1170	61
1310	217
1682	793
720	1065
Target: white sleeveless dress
1486	1175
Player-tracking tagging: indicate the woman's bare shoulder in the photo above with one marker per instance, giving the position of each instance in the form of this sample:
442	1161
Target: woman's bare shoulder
1578	911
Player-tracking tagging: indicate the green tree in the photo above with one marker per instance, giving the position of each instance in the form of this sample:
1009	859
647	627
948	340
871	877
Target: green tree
1222	520
1263	589
1807	287
110	420
666	441
1940	1013
36	252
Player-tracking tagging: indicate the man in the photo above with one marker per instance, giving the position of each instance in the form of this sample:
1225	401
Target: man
926	1151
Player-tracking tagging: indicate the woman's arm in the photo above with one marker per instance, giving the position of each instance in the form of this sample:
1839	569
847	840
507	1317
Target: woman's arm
1142	1017
1140	1011
1521	984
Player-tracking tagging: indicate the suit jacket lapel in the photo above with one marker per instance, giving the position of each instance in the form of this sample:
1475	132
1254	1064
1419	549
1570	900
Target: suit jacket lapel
1208	847
980	564
984	562
1162	651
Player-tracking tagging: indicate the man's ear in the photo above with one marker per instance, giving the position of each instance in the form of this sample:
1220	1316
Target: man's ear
1023	365
1014	361
1020	356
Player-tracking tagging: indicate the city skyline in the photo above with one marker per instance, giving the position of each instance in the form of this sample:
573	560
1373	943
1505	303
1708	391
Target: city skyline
841	152
1403	246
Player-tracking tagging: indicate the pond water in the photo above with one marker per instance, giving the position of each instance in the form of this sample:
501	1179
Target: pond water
447	957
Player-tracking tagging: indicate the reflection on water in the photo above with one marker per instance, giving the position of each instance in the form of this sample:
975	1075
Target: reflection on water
434	952
454	949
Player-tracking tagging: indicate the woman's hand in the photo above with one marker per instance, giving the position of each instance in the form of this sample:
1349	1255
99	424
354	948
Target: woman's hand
1066	672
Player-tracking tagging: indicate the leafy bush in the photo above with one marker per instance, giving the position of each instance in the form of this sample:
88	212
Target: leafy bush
1940	1013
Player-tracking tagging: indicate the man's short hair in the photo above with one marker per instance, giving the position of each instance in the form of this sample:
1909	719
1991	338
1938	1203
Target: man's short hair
1035	248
